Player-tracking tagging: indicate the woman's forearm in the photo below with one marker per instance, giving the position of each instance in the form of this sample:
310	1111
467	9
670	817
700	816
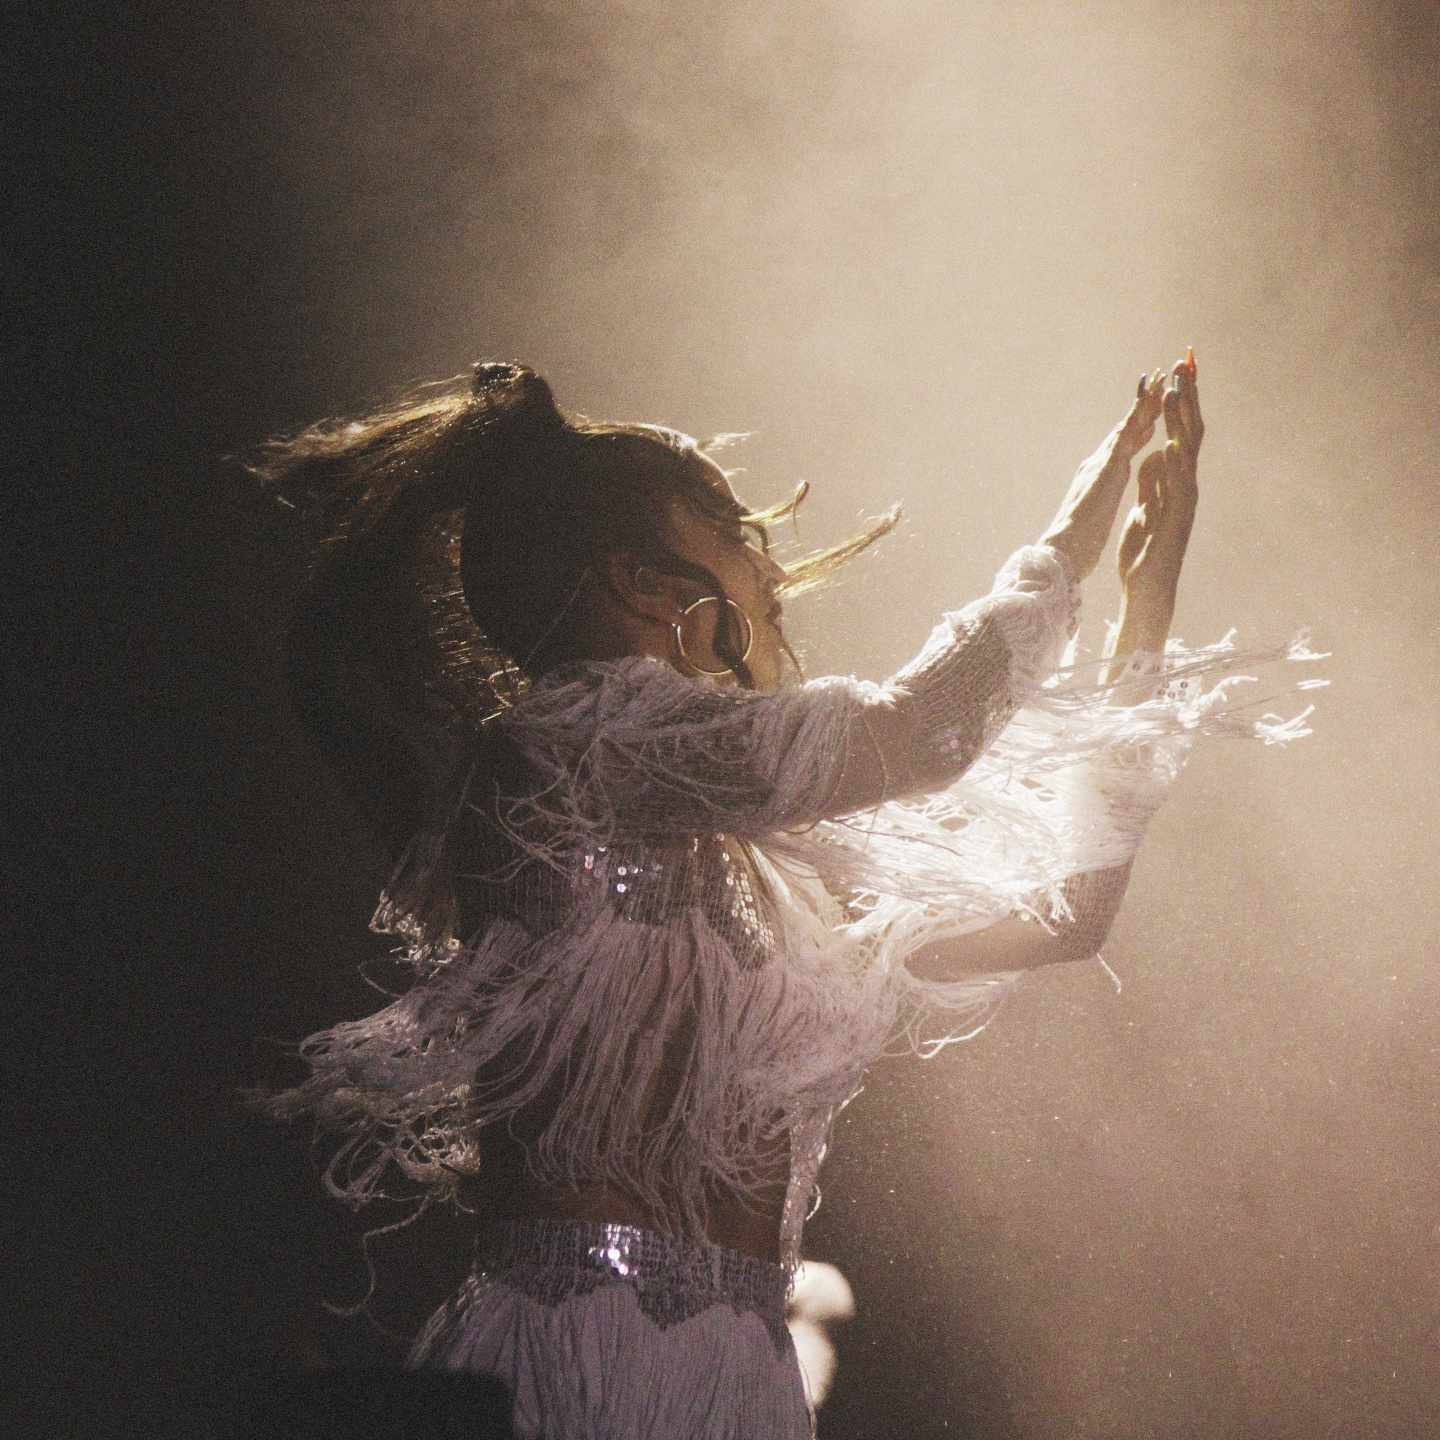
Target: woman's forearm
1143	627
1020	942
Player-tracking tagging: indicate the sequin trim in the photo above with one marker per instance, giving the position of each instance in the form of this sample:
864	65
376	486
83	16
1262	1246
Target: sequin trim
552	1261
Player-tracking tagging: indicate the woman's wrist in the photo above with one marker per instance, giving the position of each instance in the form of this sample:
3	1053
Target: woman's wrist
1145	616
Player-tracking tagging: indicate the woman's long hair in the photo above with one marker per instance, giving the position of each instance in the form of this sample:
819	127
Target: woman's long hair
456	535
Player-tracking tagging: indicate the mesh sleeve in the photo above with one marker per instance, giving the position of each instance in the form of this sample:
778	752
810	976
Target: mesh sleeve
982	663
1092	901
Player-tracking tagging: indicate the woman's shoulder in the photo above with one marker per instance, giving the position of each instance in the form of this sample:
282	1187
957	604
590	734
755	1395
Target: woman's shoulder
632	691
588	676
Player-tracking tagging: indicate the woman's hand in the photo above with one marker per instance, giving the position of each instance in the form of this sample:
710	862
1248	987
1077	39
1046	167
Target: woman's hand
1157	530
1084	521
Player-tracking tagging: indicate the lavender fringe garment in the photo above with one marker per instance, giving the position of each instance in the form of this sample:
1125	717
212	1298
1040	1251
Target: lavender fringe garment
626	930
677	891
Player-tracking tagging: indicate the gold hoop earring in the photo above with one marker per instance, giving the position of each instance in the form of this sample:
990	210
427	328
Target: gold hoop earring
749	633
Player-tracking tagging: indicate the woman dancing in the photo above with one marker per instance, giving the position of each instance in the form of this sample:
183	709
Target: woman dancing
665	904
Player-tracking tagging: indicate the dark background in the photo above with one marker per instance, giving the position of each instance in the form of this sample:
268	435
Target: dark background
922	250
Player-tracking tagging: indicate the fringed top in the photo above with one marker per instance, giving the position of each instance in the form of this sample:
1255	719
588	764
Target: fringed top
673	919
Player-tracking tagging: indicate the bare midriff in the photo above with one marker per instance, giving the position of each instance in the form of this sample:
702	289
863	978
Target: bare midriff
507	1188
507	1191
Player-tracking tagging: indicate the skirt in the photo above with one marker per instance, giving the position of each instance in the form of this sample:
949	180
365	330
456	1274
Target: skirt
612	1332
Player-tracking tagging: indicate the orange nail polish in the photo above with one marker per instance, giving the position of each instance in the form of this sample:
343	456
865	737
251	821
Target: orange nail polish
1190	360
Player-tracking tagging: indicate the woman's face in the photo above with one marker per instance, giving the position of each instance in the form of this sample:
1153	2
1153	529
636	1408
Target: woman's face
735	556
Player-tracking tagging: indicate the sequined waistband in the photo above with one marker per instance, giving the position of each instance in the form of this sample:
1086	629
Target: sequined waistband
671	1276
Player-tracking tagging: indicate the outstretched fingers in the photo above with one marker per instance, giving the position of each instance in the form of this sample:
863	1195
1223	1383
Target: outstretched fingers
1139	425
1184	427
1176	474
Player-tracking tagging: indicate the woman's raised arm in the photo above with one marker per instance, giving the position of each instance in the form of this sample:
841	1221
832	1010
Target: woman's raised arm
1086	516
1151	554
636	747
